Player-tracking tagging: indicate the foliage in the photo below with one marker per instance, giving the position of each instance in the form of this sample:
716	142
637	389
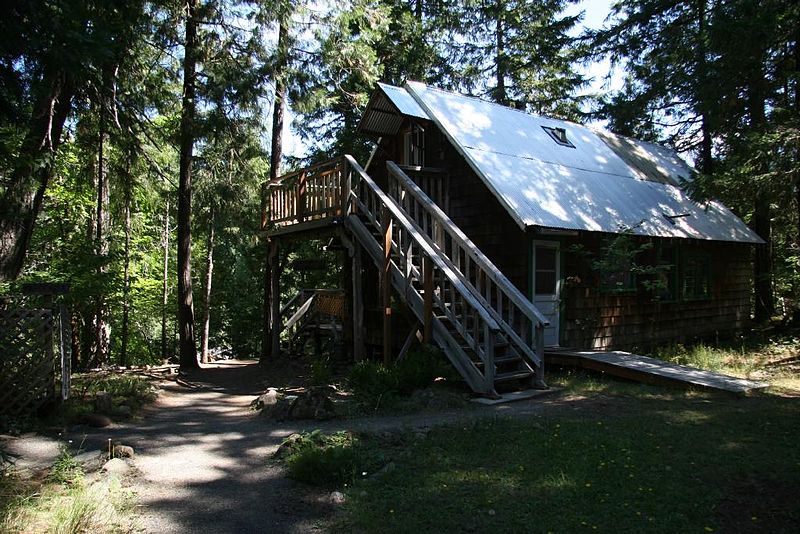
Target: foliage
373	382
66	471
621	263
329	459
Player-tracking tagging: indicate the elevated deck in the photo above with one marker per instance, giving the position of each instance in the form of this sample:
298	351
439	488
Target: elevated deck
650	370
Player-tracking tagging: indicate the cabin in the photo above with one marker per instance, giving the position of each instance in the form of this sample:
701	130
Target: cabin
497	235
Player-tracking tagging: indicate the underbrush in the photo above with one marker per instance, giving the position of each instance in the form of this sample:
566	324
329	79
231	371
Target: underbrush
63	503
133	391
378	386
329	459
769	356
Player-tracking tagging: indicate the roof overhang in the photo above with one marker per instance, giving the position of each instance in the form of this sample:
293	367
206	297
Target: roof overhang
388	107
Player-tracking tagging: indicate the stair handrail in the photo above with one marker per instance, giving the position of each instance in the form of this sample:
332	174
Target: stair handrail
426	247
443	223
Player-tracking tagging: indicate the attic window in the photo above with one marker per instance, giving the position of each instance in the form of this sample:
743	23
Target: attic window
559	135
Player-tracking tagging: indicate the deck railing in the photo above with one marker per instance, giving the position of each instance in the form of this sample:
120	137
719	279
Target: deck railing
517	316
306	195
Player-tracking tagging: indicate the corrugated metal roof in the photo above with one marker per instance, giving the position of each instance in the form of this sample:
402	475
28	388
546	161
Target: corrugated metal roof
404	102
588	187
386	110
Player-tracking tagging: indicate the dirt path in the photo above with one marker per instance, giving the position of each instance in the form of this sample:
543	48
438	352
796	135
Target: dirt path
201	455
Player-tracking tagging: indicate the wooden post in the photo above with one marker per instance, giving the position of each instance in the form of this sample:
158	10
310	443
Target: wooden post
386	302
301	197
488	363
538	376
358	306
275	300
427	325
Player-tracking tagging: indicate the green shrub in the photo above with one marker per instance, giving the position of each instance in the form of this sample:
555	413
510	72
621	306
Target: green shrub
371	380
329	459
321	371
66	470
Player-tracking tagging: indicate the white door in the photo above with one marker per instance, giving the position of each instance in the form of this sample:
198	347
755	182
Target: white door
546	285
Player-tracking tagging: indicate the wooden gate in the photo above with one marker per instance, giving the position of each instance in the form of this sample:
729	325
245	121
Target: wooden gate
34	346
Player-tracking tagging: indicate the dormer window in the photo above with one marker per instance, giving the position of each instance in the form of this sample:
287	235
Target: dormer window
414	146
559	135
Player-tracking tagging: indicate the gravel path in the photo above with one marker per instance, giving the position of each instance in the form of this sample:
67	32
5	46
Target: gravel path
201	455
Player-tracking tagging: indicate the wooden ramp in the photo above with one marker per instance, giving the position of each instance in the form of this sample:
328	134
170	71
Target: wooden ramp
649	370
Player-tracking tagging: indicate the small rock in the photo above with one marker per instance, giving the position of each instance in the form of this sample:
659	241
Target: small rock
337	497
287	446
491	511
116	466
267	399
95	420
122	451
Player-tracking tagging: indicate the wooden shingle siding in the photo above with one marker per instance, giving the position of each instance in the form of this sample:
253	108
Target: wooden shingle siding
593	319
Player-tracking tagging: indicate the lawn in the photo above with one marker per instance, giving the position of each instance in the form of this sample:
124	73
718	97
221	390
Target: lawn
697	463
606	456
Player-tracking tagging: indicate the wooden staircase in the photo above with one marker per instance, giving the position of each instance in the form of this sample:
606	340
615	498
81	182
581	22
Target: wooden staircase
489	331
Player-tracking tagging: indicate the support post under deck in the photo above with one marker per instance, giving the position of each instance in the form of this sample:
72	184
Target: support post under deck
358	306
385	281
275	299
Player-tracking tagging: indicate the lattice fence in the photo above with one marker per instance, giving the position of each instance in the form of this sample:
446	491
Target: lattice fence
32	347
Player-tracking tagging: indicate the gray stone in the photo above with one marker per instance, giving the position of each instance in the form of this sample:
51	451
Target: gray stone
337	497
122	451
116	466
269	398
313	404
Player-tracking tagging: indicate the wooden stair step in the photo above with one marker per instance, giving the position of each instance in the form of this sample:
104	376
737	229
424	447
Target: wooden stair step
513	375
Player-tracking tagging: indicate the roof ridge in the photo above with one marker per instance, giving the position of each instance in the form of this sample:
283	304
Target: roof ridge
501	106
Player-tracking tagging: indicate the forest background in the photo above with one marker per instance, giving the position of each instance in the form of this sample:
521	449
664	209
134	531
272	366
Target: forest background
135	136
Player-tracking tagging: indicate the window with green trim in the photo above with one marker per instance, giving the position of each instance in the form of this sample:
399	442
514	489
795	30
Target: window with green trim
695	275
618	276
666	286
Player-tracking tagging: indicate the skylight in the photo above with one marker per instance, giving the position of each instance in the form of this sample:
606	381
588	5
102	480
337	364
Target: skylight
559	135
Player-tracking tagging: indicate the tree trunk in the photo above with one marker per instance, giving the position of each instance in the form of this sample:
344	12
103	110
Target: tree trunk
207	289
501	97
762	224
165	281
25	187
188	350
274	172
101	326
126	281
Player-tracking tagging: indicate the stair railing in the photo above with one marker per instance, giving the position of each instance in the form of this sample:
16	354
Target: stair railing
410	251
518	318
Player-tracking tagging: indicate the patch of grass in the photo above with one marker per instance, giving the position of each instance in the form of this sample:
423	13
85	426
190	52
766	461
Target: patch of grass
64	503
329	459
659	466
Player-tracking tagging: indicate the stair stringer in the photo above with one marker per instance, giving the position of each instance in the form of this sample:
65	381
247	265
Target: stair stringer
441	336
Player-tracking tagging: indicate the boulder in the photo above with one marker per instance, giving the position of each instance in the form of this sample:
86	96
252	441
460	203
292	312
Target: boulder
337	497
116	466
267	399
122	451
315	403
